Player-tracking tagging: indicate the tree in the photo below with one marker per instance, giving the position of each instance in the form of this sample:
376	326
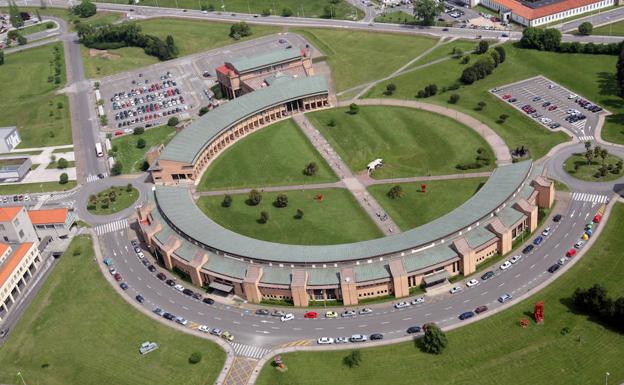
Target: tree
61	164
195	358
1	57
501	54
203	111
332	122
589	155
266	12
469	75
227	201
171	47
239	30
353	360
254	198
585	28
603	154
620	72
117	168
390	88
85	9
310	169
428	10
496	57
587	145
281	201
481	105
434	340
21	40
551	39
264	217
354	108
299	214
173	121
129	187
532	38
140	143
286	12
396	192
454	99
138	131
482	47
64	178
15	16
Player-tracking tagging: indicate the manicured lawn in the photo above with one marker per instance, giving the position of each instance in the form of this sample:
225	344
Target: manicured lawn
411	142
100	17
79	331
112	200
133	158
613	29
70	163
29	188
586	171
304	8
595	82
396	17
416	208
191	36
273	156
496	350
446	50
338	218
28	100
36	28
358	57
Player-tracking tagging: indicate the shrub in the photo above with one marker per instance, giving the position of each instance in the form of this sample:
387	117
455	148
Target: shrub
585	28
286	12
203	111
501	54
64	178
465	60
117	168
138	131
195	358
254	198
227	201
281	201
396	192
264	217
239	30
85	9
481	105
454	98
299	214
332	123
129	187
140	143
310	169
62	163
2	58
434	341
354	108
266	12
390	88
482	47
173	121
353	360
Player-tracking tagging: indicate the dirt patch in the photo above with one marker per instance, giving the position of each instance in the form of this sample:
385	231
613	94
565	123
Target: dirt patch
103	54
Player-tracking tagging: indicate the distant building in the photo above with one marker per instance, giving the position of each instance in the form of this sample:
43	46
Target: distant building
14	169
15	226
9	139
55	223
18	264
540	12
244	75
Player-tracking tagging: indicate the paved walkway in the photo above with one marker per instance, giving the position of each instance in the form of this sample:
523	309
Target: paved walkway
240	371
313	186
364	198
501	151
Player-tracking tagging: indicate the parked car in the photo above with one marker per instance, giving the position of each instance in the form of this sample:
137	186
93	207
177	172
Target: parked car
472	282
151	268
506	265
188	292
159	311
118	277
554	268
181	321
348	313
466	315
227	336
216	332
170	282
208	301
455	290
140	298
341	340
204	328
325	341
179	287
310	314
366	310
123	286
579	244
487	275
287	317
418	300
376	336
262	312
515	258
538	240
505	298
528	249
331	314
413	329
278	313
571	253
401	305
557	218
546	232
169	316
358	338
481	309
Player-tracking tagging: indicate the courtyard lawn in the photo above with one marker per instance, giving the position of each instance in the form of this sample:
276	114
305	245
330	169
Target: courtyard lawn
28	98
79	331
446	50
29	188
496	350
613	29
338	218
357	57
132	158
273	156
411	142
416	208
112	200
191	36
303	8
577	166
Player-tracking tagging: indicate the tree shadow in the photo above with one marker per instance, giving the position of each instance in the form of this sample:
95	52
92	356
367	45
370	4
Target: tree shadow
607	83
568	302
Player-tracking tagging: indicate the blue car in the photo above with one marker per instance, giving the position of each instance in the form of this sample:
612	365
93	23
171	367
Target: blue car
538	240
466	315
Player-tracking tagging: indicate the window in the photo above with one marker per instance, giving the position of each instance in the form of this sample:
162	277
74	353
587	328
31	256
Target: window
16	222
21	234
2	228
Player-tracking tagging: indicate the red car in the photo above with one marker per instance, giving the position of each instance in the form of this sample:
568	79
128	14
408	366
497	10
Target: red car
310	314
118	133
507	96
597	218
481	309
552	108
571	253
118	277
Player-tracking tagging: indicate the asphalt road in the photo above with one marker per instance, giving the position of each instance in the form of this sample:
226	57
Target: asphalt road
597	19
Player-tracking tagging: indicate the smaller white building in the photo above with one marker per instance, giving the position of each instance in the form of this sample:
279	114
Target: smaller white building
9	139
372	166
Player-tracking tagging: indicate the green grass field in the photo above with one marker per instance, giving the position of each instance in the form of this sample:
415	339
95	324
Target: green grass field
191	36
28	100
357	57
273	156
79	331
29	188
411	142
303	8
613	29
131	157
496	350
416	208
337	219
596	82
39	27
446	50
100	17
102	204
586	171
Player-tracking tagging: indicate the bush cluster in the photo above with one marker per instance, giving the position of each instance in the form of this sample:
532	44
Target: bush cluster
549	39
596	302
428	91
481	160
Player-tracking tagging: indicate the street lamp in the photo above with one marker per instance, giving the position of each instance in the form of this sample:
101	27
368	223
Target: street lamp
607	374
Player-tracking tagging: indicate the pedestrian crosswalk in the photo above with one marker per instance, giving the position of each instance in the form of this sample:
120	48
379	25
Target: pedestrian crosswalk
93	178
249	351
585	197
586	138
580	124
112	226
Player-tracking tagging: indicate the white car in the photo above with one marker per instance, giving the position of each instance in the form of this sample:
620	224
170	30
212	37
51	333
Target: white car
325	341
341	340
572	96
561	261
366	310
455	290
179	287
204	328
505	265
515	258
181	321
401	305
358	338
472	282
287	317
418	300
140	255
579	244
546	232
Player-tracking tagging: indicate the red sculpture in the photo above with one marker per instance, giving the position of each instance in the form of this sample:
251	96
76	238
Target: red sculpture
539	312
423	188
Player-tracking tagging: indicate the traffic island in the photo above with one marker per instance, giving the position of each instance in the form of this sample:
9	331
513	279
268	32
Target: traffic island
112	200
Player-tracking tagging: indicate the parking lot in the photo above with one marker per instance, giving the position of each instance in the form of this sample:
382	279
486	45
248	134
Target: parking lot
150	96
552	105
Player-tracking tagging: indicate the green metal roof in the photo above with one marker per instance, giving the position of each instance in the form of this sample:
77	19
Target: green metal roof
187	250
325	276
370	271
178	206
428	257
509	216
187	145
276	275
250	63
478	236
226	266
